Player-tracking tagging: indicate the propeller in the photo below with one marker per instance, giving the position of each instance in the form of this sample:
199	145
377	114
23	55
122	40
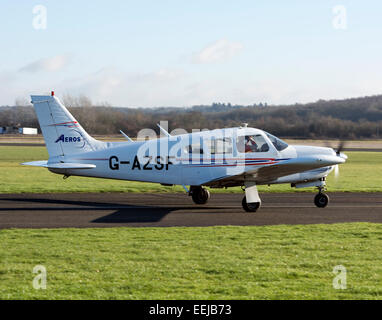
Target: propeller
338	150
336	171
340	147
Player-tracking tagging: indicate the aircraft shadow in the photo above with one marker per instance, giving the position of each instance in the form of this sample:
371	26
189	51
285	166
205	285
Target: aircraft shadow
124	213
91	204
137	215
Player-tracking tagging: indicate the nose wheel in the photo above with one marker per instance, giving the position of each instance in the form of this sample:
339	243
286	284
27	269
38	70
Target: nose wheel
199	195
321	200
250	207
251	201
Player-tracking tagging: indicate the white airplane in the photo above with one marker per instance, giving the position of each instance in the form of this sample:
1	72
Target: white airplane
221	158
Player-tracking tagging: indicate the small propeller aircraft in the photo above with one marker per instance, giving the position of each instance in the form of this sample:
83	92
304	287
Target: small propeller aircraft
220	158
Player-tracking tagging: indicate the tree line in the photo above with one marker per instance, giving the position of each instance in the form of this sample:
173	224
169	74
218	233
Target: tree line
358	118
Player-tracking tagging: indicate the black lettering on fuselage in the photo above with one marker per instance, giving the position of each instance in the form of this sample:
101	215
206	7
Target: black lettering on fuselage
114	163
146	166
168	162
159	165
136	164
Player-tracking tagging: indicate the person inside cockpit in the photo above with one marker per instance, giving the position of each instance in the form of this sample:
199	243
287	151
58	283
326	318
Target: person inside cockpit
250	144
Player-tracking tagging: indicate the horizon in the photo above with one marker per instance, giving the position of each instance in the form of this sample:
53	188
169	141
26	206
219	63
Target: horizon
105	104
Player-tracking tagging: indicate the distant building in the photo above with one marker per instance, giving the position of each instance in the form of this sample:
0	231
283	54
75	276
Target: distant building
28	130
9	130
16	130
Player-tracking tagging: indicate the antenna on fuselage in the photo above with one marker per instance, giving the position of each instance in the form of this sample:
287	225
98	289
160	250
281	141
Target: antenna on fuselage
165	132
126	136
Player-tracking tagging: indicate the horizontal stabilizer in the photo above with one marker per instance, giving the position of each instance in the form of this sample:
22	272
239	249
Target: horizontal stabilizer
41	163
59	165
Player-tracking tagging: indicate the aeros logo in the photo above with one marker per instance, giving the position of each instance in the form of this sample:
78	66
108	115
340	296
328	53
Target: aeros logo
62	138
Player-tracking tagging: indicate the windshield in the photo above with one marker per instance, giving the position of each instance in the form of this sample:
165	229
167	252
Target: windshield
278	143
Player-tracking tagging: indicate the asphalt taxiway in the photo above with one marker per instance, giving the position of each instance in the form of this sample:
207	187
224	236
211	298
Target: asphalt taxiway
93	210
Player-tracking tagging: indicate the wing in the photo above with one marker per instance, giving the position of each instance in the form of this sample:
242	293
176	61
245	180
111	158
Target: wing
59	165
269	173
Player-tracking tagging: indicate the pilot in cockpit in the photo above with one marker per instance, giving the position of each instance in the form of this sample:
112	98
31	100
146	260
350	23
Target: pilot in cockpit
250	145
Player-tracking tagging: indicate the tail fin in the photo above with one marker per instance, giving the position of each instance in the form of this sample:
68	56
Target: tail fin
62	133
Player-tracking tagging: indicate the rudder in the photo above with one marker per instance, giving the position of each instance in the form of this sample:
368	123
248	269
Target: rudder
62	133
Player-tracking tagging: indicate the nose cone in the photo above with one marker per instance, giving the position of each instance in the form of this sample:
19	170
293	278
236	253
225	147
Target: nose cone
340	160
319	156
329	160
342	155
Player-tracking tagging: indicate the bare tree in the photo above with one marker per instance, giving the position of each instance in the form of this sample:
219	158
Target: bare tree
22	102
79	101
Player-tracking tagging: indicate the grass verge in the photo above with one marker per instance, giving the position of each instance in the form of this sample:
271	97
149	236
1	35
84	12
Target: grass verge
275	262
362	173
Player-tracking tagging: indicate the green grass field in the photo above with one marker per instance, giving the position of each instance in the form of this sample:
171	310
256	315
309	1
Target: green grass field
362	173
275	262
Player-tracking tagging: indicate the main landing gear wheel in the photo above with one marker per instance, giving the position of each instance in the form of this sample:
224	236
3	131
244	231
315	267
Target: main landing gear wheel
200	195
321	200
250	207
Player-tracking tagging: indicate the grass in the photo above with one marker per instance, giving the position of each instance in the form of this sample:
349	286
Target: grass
275	262
362	173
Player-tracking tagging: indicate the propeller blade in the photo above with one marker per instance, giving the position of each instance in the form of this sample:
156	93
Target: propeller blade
336	171
340	147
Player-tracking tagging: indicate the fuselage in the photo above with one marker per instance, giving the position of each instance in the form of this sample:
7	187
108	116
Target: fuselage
201	158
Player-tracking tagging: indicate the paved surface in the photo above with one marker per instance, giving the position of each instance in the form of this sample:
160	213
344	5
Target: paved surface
21	144
165	210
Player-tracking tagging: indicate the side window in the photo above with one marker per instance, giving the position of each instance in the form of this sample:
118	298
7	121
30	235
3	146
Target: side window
253	143
193	149
220	146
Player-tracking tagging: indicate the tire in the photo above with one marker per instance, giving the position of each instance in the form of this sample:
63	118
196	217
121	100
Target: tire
250	207
200	196
321	200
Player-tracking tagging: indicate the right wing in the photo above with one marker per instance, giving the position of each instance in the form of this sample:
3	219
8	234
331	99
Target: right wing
268	173
59	165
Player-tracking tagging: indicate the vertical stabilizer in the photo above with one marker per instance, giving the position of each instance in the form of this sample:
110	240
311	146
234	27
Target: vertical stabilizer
62	133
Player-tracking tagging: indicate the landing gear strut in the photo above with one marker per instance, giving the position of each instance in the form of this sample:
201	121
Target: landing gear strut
199	194
321	200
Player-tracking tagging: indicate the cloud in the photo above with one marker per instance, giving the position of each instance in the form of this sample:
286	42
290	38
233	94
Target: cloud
218	51
111	84
52	64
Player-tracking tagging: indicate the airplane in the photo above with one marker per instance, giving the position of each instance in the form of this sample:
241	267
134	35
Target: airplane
220	158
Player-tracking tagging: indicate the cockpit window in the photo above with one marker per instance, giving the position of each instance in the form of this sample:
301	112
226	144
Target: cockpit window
278	143
252	143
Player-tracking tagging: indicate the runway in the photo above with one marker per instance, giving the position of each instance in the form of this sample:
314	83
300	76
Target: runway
84	210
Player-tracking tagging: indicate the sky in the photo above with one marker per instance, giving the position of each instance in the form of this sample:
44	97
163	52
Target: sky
152	53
